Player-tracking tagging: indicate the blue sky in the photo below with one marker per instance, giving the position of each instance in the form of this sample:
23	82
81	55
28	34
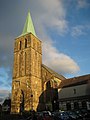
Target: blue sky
62	25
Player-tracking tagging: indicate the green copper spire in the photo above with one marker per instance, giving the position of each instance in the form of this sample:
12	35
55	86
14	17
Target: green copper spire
28	27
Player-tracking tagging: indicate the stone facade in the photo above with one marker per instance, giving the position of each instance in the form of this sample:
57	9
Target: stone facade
34	85
26	85
30	76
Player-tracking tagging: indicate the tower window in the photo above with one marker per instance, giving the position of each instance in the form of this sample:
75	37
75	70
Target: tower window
25	43
20	45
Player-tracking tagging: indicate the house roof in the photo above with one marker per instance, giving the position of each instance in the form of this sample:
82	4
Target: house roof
7	102
75	81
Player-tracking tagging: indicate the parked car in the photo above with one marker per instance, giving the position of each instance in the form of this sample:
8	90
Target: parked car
74	116
61	115
46	113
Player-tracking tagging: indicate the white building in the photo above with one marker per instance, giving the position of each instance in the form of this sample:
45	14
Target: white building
74	93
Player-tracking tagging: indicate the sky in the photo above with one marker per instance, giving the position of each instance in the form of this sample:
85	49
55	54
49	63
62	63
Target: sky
63	26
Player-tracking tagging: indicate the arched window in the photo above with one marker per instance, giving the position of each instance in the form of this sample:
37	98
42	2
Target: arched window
25	62
48	92
20	45
20	62
25	43
48	85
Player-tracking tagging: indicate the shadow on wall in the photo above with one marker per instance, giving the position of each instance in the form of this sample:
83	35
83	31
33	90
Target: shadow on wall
48	100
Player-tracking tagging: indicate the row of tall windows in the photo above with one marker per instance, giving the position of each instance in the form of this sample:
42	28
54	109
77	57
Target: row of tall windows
76	105
20	44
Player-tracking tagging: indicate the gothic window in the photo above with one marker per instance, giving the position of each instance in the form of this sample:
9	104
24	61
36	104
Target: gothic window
20	45
48	92
48	85
25	43
25	61
20	61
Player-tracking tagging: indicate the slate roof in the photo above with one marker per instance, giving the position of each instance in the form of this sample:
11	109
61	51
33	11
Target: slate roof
75	81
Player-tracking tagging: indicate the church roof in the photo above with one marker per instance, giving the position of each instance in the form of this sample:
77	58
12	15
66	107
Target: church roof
53	72
28	27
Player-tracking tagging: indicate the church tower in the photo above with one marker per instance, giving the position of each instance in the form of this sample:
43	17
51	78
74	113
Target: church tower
26	83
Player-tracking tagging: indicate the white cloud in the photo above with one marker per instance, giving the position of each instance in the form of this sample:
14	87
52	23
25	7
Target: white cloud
79	30
46	14
5	76
4	93
60	62
83	3
52	15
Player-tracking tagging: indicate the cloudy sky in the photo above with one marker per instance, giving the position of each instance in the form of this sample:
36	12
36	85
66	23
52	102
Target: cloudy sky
62	25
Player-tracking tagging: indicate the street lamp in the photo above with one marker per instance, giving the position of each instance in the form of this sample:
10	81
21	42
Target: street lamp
31	95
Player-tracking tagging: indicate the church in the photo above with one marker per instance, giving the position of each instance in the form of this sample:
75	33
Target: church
34	85
37	87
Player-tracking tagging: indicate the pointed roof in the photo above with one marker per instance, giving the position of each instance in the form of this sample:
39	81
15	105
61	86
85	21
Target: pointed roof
28	27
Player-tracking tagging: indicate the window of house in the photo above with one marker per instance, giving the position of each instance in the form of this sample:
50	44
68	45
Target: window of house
74	91
76	105
84	104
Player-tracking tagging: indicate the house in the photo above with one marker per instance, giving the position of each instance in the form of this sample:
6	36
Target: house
74	93
6	106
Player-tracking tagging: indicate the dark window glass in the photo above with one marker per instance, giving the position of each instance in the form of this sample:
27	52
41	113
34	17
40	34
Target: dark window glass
84	104
25	43
20	44
74	91
76	105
